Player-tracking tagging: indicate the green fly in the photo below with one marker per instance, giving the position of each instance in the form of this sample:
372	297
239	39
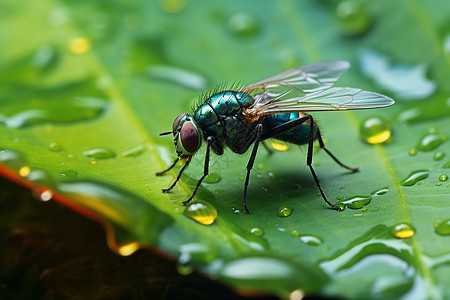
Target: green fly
274	108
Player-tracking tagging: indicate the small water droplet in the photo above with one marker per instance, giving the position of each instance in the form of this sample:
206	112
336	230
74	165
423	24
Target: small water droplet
311	240
262	167
79	45
412	152
430	142
237	211
439	184
295	233
414	177
54	146
443	177
375	130
100	153
380	192
355	202
256	231
352	17
439	155
212	178
364	209
284	211
446	165
403	231
69	174
243	24
443	228
202	212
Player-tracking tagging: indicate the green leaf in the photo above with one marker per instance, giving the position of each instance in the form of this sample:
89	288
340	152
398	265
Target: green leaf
87	86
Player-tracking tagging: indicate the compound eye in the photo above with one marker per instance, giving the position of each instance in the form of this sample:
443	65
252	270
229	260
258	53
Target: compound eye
177	121
189	137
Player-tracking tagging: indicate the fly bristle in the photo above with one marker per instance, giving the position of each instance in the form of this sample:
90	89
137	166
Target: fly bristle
225	86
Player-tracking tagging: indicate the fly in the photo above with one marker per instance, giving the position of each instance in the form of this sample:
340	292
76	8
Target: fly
277	107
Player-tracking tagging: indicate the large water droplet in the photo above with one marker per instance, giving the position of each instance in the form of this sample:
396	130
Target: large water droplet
443	177
352	17
133	152
439	155
355	202
404	81
403	231
311	240
243	24
178	76
380	192
414	177
54	146
443	228
202	212
256	231
213	178
375	130
284	211
100	153
430	141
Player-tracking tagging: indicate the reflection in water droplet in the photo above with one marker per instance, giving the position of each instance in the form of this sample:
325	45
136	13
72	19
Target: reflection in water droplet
284	211
403	231
375	130
414	177
178	76
380	192
69	174
243	24
202	212
443	228
212	178
128	249
172	6
256	231
352	17
443	177
430	141
404	81
133	152
412	152
355	202
54	146
79	45
100	153
279	146
439	155
311	240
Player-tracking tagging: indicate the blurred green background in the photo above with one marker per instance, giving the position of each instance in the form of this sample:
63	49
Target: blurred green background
86	86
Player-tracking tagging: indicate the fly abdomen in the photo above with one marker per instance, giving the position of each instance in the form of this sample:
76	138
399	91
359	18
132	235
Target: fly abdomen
298	135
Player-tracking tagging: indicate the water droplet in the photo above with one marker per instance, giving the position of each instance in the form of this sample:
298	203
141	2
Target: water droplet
311	240
284	211
406	82
237	211
414	177
256	231
295	233
212	178
380	192
403	231
79	45
364	209
202	212
54	146
412	152
178	76
172	6
443	177
69	174
430	142
128	249
100	153
243	24
133	152
41	177
439	184
439	155
375	130
352	17
443	228
279	146
262	167
355	202
446	165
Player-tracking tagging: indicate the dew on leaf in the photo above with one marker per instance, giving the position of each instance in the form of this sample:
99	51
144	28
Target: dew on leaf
439	155
380	192
68	174
375	130
212	178
54	146
403	231
256	231
430	142
311	240
443	177
414	177
178	76
41	177
202	212
406	82
354	202
284	211
243	24
353	17
99	153
446	165
412	152
295	233
443	228
133	152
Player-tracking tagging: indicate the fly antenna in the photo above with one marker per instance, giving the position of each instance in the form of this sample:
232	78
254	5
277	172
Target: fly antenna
165	133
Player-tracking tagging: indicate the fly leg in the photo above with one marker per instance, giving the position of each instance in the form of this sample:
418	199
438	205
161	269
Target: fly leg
188	160
270	151
291	124
168	169
259	129
210	139
322	145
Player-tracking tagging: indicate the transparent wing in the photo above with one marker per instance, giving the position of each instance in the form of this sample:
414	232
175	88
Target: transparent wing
335	98
304	79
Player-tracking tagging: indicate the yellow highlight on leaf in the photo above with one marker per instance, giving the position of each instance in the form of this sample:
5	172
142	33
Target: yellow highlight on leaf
278	146
24	171
79	45
128	249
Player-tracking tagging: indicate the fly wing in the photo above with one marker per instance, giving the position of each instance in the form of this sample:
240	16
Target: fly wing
304	79
329	99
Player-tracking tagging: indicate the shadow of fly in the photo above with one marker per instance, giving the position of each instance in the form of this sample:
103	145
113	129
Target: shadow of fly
274	108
